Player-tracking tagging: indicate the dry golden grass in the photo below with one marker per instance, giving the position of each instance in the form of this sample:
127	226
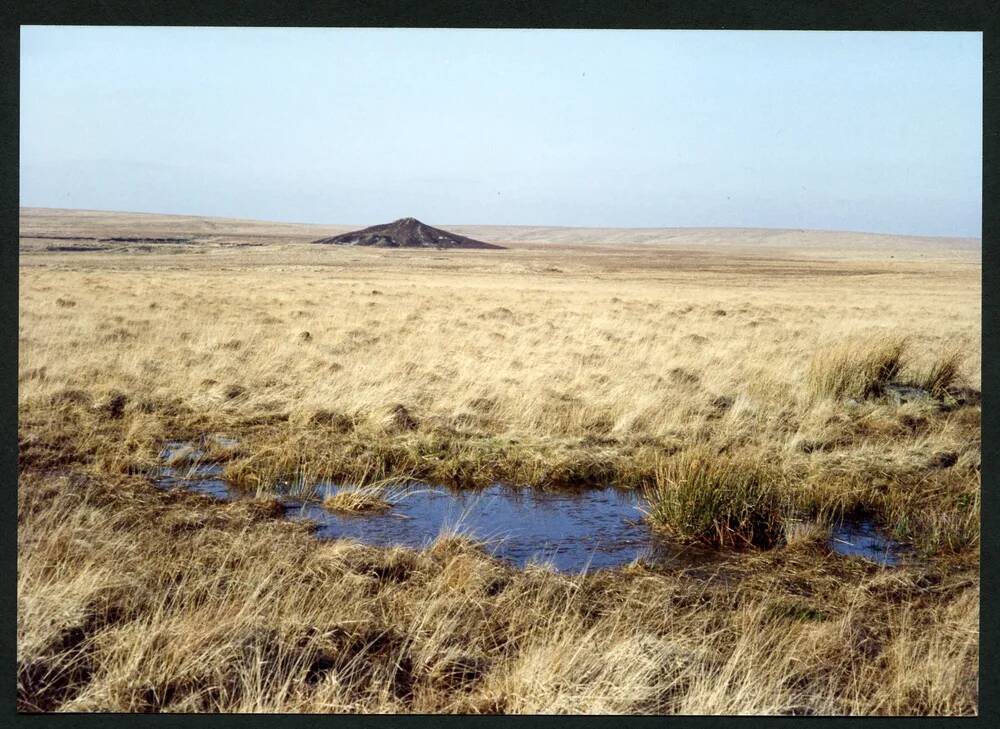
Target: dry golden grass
366	497
472	366
858	368
136	600
354	500
542	364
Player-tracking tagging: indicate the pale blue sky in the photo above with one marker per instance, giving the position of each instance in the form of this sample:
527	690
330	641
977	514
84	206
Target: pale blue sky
854	131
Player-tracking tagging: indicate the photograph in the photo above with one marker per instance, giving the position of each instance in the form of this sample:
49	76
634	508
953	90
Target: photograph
392	370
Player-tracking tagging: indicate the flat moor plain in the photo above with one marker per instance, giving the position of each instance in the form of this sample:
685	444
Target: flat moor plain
756	386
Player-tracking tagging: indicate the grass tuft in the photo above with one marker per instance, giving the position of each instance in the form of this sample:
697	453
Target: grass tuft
359	500
859	368
717	499
943	372
367	497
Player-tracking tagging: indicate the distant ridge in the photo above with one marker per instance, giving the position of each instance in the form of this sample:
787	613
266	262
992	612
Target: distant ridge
405	233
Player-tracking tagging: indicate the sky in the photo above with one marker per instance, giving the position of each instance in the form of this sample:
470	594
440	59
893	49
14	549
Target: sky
863	131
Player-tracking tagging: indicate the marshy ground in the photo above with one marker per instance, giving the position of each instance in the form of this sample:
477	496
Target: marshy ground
755	388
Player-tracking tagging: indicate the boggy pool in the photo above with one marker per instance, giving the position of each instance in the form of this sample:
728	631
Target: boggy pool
570	530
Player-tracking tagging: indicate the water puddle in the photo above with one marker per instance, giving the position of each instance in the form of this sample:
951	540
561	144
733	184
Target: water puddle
199	482
570	530
861	538
599	528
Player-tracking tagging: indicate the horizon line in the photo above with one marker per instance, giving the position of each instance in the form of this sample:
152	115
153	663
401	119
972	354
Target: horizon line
509	225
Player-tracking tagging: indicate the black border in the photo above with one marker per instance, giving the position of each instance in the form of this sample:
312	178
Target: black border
967	15
894	15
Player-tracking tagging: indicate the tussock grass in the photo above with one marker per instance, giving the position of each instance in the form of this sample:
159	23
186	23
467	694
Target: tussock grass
857	368
722	499
366	497
356	500
943	373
